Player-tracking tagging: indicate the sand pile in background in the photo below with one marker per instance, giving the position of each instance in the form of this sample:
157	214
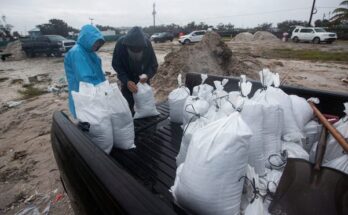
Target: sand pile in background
15	48
210	56
258	36
264	36
243	37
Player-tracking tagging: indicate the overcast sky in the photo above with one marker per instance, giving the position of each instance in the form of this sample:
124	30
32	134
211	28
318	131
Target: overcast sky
26	14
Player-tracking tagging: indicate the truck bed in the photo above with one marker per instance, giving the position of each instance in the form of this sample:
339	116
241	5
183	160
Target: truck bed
137	181
152	162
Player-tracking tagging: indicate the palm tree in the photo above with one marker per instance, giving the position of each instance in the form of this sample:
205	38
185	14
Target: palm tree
341	13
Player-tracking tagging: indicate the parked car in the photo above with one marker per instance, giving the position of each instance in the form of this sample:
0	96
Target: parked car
313	34
154	36
162	37
193	37
47	44
138	181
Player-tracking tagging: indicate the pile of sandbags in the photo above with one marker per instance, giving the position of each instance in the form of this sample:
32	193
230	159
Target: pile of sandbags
108	114
233	140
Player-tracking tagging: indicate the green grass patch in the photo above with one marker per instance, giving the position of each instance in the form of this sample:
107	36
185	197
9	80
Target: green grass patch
30	92
314	55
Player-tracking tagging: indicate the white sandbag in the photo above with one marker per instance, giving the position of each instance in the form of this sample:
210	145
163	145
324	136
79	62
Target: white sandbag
194	107
144	102
302	110
273	121
290	129
203	90
271	180
228	107
294	150
94	110
340	163
189	130
216	160
219	95
215	113
312	152
312	134
253	115
256	205
176	100
333	148
120	114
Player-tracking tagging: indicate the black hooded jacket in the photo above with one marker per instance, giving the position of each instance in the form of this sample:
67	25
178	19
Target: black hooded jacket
126	68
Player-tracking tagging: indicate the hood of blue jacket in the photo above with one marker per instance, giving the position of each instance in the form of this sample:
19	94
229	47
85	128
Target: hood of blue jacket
88	36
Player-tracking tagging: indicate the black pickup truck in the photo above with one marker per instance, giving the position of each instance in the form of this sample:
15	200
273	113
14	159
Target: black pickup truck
47	44
137	181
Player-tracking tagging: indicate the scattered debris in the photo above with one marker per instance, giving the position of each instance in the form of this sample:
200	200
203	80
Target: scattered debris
59	197
20	155
17	81
11	104
345	80
38	204
3	79
30	92
39	78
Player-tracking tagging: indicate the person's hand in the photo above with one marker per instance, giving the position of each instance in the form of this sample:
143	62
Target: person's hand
132	87
143	78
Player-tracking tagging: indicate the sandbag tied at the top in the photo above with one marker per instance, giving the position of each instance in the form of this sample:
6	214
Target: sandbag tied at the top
203	90
291	131
210	180
333	148
144	102
253	115
273	116
194	108
219	94
176	100
302	110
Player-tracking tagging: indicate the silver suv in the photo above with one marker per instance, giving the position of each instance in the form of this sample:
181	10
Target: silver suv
312	34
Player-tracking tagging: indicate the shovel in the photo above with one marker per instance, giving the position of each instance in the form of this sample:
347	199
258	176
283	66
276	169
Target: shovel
310	189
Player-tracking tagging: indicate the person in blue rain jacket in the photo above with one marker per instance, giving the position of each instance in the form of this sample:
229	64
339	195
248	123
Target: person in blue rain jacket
82	63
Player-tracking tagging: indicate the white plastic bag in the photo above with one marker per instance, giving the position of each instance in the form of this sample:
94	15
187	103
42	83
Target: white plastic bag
340	163
144	102
302	110
189	130
194	107
203	90
216	160
219	95
176	100
333	148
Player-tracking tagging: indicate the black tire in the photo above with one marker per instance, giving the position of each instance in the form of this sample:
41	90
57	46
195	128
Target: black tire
329	42
296	40
316	40
48	54
187	41
155	41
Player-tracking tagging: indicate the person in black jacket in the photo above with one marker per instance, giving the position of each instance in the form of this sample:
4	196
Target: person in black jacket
134	60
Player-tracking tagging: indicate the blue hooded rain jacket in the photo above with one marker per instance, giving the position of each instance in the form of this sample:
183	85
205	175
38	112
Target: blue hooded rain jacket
82	64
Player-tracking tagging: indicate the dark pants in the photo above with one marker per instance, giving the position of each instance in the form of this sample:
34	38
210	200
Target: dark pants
129	96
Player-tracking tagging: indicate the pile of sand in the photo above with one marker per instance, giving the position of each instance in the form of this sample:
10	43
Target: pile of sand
210	56
15	48
243	37
258	36
264	36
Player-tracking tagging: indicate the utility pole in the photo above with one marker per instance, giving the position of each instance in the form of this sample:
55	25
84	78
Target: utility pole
91	20
154	16
313	11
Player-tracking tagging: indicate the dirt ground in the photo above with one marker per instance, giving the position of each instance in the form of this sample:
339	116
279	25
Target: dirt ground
27	167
